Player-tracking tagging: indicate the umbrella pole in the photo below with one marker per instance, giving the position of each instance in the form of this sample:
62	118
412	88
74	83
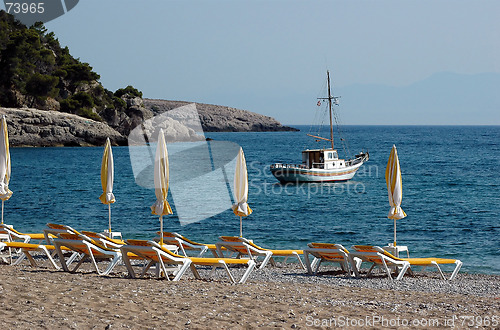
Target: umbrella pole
241	227
2	210
109	225
161	230
394	232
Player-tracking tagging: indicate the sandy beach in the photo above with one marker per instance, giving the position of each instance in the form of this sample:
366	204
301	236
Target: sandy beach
276	297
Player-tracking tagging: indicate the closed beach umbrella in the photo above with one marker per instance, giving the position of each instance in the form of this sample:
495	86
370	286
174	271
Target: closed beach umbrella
107	175
5	193
394	188
161	206
240	189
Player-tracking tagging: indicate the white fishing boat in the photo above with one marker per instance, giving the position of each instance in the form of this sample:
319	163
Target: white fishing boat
323	164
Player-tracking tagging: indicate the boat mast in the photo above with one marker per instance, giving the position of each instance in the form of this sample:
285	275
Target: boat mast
330	107
329	98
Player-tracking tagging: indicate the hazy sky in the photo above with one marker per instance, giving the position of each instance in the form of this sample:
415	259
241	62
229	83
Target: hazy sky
270	57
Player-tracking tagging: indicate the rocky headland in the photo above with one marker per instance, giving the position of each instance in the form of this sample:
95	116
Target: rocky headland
45	128
217	118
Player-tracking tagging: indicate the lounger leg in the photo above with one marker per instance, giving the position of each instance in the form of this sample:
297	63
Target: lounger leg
182	270
387	269
162	268
343	266
112	264
195	272
219	253
370	270
78	265
320	261
457	269
128	264
92	259
228	272
49	256
266	259
61	257
202	252
26	254
403	271
146	268
300	260
212	272
309	265
251	266
439	269
74	257
354	266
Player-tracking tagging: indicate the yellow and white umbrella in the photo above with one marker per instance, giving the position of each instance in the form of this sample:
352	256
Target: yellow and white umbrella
107	176
240	189
394	188
161	206
5	193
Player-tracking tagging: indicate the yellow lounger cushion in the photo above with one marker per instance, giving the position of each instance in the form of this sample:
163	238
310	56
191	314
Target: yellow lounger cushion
30	246
213	261
412	261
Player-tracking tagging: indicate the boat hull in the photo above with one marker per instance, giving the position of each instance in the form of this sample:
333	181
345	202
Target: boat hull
285	173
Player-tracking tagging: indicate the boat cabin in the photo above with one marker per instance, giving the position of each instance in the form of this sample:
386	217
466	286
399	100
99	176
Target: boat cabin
322	158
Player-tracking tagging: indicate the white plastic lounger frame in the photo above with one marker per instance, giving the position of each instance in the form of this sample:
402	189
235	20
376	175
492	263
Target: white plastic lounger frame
145	251
26	248
213	262
324	252
90	251
378	258
153	252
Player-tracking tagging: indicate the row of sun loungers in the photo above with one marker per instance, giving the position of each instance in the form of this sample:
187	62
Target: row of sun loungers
177	254
350	261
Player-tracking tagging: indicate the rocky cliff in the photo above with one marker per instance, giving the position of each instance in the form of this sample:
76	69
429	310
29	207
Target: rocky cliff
217	118
41	128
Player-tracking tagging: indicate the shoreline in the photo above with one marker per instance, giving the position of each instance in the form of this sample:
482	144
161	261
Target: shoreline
284	297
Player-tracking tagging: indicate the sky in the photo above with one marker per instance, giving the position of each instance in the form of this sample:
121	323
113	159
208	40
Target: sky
270	57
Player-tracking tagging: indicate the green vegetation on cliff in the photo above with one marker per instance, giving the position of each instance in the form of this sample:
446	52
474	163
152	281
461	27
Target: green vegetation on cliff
36	72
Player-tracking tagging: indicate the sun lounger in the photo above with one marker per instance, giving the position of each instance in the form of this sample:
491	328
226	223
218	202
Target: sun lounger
88	249
154	253
379	257
326	252
13	236
186	244
244	247
26	237
28	248
7	234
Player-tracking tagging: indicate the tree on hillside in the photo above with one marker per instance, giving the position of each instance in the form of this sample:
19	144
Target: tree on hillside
130	90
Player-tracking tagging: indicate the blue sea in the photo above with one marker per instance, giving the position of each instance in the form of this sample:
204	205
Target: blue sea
451	193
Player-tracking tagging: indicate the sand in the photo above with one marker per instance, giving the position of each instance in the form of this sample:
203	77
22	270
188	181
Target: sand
283	297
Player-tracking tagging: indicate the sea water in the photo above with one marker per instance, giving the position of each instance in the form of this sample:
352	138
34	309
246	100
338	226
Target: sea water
451	193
